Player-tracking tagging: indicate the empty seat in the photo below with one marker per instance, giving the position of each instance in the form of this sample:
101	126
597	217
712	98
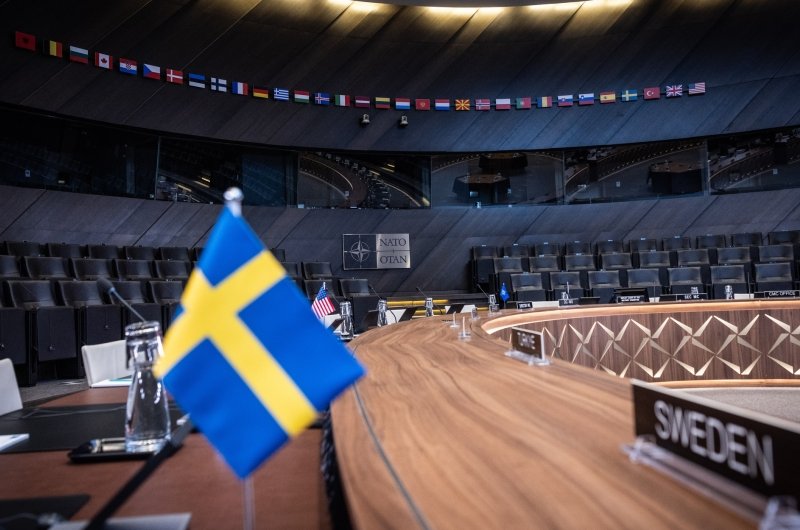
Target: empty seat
167	294
134	269
317	270
775	253
577	247
778	237
50	328
134	292
10	399
66	250
503	268
293	271
528	286
547	248
609	246
603	284
25	248
658	259
9	267
676	243
279	253
696	257
312	287
773	276
350	287
579	262
14	343
91	268
96	321
643	244
176	253
516	251
194	253
106	361
617	262
103	251
566	284
747	239
728	279
685	280
648	278
736	256
482	264
545	265
139	252
711	241
45	268
168	269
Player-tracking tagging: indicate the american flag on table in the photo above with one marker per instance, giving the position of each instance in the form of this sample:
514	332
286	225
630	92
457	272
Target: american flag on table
322	304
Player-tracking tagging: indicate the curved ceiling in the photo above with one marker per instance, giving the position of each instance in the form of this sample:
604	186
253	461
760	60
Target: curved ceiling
744	51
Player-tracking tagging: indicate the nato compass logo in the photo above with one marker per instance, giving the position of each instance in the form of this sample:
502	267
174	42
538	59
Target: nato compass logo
358	251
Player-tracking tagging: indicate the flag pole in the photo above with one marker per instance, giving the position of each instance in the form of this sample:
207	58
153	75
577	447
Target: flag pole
233	201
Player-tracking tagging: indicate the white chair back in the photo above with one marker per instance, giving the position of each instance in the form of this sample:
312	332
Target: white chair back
10	399
105	361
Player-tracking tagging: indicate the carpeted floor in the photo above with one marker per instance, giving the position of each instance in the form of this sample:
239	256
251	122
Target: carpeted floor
48	389
781	402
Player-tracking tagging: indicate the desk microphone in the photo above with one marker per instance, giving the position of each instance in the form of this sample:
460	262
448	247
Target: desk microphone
428	310
484	292
107	287
382	308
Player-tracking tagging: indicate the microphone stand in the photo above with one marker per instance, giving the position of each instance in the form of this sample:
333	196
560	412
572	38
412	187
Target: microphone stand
428	310
489	298
382	308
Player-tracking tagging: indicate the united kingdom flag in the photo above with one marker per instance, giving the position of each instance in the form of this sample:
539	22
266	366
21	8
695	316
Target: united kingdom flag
674	91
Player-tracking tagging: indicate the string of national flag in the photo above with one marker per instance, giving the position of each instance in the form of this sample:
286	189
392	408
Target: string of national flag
127	66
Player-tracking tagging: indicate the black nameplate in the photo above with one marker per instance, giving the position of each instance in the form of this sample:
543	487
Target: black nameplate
631	298
527	341
682	297
568	302
524	305
756	451
788	293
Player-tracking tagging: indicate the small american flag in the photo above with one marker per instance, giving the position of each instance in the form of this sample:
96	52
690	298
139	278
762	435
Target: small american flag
674	91
697	88
322	304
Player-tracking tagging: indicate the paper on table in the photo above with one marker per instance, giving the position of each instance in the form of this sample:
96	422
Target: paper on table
120	381
7	440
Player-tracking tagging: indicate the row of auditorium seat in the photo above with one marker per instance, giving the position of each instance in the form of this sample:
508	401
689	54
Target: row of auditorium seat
102	251
56	268
44	323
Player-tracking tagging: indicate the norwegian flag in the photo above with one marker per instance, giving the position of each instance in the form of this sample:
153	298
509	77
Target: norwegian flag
674	91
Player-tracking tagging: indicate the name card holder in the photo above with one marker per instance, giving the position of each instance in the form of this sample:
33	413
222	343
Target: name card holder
683	297
527	346
786	293
742	459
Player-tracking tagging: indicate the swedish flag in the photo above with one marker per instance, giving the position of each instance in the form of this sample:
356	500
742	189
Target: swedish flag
245	356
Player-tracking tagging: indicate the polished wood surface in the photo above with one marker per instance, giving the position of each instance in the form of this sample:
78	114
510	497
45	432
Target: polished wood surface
288	488
445	433
681	341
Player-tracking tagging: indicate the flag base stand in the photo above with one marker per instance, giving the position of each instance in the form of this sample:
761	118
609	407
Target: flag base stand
168	521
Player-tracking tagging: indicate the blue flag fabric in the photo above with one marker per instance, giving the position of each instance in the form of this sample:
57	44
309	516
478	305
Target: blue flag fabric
504	292
245	356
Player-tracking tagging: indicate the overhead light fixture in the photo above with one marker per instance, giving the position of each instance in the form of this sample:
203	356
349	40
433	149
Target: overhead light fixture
364	119
403	121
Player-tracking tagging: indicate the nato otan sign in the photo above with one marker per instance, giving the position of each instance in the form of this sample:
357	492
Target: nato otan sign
376	251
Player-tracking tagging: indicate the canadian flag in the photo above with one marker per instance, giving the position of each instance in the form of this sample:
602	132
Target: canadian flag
102	60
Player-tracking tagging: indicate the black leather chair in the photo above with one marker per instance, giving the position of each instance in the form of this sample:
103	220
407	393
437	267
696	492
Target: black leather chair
9	267
293	271
528	287
643	244
774	276
566	283
545	265
167	294
91	268
502	270
358	293
517	250
317	270
14	343
737	256
26	248
685	280
696	257
103	251
751	240
577	247
711	242
50	328
66	250
135	293
617	261
657	259
609	246
676	243
647	278
46	268
482	264
603	284
547	248
139	252
96	321
174	253
312	287
134	269
168	269
731	277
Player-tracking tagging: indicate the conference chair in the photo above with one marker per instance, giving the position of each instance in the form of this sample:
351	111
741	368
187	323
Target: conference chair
91	268
502	270
751	240
728	276
528	287
617	262
676	243
779	237
312	287
696	257
9	267
350	287
10	399
516	250
566	282
167	294
358	293
174	253
773	276
643	244
647	278
577	248
45	268
133	292
25	248
194	253
168	269
547	248
609	246
50	328
103	251
317	270
134	269
293	271
582	263
776	253
14	343
603	284
656	259
545	265
712	242
105	361
142	252
279	253
96	321
685	280
66	250
482	264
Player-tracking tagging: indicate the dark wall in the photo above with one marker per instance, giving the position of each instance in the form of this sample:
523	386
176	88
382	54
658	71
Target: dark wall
746	52
441	238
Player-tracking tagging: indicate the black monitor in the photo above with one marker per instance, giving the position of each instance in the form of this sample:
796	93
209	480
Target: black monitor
624	295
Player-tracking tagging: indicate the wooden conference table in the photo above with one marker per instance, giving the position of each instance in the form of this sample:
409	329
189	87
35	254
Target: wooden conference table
446	433
288	488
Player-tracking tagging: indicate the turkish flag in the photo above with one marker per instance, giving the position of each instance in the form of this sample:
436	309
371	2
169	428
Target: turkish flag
652	92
